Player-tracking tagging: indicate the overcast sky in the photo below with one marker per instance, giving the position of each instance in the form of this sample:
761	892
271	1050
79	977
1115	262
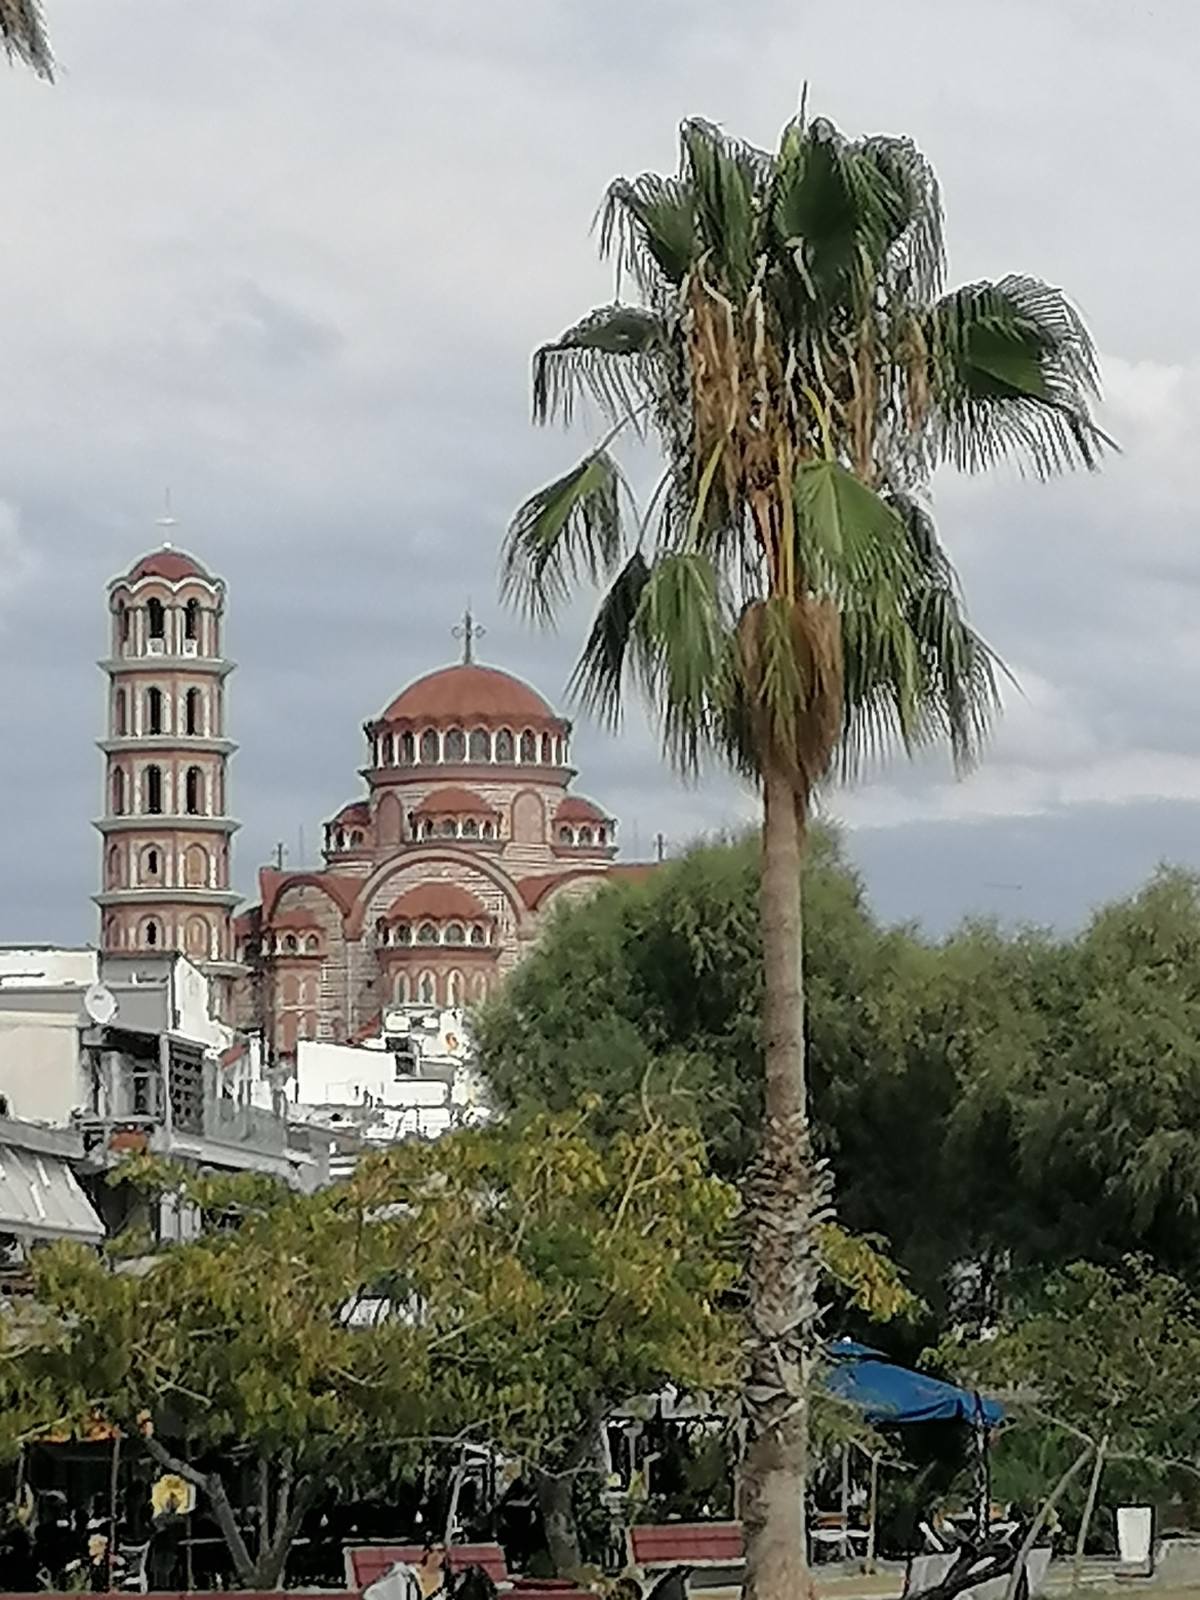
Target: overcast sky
290	259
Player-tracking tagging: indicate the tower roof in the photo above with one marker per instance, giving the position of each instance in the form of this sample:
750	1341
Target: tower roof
465	691
169	563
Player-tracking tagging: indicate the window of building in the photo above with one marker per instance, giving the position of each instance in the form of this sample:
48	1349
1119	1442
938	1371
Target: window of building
195	866
455	745
400	991
192	713
470	828
151	864
547	750
480	744
151	933
489	830
504	746
310	945
124	623
449	828
430	746
566	836
584	836
191	620
403	933
194	791
118	792
154	711
455	934
478	933
427	829
152	791
529	747
408	750
120	718
114	868
389	750
427	933
156	619
356	838
454	989
479	986
428	992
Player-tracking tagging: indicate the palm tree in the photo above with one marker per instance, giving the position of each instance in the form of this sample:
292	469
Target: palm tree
23	36
783	602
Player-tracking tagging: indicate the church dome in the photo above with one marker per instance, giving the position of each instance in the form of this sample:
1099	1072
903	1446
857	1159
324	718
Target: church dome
171	564
467	693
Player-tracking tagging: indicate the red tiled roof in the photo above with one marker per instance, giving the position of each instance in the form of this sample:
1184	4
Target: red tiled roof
271	884
353	811
466	691
534	890
173	565
577	808
452	801
436	900
297	917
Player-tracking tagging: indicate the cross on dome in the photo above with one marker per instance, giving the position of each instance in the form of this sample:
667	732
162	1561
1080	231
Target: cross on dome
468	630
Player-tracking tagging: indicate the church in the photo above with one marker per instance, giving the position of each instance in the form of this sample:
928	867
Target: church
434	882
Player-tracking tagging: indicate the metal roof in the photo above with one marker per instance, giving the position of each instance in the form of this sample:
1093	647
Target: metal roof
40	1198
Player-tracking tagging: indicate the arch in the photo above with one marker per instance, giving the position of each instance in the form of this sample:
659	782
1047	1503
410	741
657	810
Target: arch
448	827
341	839
408	750
431	747
150	865
356	838
115	874
427	989
400	988
194	792
479	745
196	937
152	936
529	747
427	933
479	987
427	828
191	620
154	710
120	714
193	711
389	820
469	829
488	831
389	750
474	864
402	933
195	867
156	618
454	745
289	989
286	1034
505	749
118	792
528	819
454	933
478	933
566	835
152	791
454	989
308	991
291	944
312	945
547	750
584	836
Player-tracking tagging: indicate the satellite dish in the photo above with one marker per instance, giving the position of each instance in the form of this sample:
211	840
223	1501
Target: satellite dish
100	1004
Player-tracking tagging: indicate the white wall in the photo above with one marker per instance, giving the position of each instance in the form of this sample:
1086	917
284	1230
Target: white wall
40	1070
343	1074
34	967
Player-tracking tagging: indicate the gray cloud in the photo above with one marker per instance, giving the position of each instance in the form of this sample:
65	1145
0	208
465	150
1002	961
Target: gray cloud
291	259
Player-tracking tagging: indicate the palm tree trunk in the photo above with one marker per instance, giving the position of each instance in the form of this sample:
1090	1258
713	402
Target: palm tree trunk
785	1199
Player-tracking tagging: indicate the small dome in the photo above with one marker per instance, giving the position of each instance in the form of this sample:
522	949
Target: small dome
173	565
575	808
453	802
436	901
465	692
354	811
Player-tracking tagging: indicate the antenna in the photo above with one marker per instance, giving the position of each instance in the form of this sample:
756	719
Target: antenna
168	519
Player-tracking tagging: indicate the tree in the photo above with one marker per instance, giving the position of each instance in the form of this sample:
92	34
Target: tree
1107	1357
784	602
23	35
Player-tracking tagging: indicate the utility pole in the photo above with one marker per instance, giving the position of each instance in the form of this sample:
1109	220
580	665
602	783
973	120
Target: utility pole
660	847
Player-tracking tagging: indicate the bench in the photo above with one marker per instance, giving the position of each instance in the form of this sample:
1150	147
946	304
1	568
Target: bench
656	1547
365	1563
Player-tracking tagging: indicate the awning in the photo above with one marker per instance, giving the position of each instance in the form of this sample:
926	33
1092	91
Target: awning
40	1198
886	1393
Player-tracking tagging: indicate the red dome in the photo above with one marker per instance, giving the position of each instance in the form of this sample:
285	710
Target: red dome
173	565
453	801
464	692
576	808
437	901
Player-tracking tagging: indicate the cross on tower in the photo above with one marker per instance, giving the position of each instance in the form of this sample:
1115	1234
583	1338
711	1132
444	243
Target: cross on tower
468	631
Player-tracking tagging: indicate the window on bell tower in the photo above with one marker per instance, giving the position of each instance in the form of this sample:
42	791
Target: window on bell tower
156	618
152	791
154	711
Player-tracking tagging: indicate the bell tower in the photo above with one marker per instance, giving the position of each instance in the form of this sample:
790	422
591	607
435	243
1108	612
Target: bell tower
166	829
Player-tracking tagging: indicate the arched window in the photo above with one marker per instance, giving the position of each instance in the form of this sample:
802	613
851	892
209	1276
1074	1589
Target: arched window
489	830
470	828
455	745
547	750
454	989
389	750
193	721
566	835
428	988
408	750
151	865
196	938
195	867
356	838
308	991
480	744
403	933
194	791
584	836
427	829
430	746
341	838
449	828
151	933
114	868
291	944
156	619
120	719
427	933
455	934
478	933
310	945
191	620
601	836
122	623
529	747
400	989
504	746
479	986
380	929
118	792
154	709
152	791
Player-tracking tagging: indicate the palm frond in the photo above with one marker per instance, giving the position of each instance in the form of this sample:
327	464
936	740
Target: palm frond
1013	372
680	635
650	221
599	676
723	176
849	542
23	36
569	530
600	357
913	208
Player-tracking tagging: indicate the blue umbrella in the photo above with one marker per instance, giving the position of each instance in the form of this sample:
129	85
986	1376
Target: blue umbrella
885	1393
